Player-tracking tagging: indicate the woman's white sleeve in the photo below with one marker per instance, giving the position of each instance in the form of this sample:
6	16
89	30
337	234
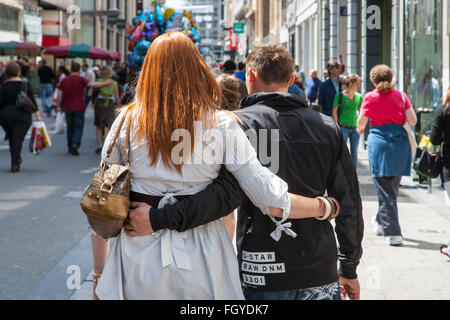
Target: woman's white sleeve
261	186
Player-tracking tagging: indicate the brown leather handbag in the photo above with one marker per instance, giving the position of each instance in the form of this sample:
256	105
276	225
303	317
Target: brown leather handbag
106	200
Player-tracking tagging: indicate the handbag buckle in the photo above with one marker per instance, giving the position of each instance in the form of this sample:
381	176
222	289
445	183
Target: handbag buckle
106	190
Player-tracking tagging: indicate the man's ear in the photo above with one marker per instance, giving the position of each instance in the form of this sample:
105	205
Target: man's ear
251	75
292	80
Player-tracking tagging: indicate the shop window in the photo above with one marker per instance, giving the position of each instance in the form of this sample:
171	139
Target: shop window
423	58
9	19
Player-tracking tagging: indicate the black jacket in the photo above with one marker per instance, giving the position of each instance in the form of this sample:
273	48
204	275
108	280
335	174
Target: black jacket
313	159
440	133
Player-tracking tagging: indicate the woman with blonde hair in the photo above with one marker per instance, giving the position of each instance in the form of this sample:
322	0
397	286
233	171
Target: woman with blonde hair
389	150
105	106
177	95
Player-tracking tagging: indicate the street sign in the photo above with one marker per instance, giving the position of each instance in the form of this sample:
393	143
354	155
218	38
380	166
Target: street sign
238	27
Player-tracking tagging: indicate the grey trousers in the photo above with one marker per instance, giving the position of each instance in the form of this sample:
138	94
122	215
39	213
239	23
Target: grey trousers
387	217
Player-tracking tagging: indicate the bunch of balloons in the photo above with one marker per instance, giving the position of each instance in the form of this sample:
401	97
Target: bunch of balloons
150	24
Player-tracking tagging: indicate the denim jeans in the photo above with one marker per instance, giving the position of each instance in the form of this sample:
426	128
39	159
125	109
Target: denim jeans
46	96
387	217
75	124
354	136
327	292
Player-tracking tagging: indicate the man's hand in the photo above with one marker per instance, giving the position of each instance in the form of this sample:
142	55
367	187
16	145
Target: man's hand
349	287
138	220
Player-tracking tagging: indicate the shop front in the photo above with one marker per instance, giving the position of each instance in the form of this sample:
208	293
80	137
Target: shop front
423	59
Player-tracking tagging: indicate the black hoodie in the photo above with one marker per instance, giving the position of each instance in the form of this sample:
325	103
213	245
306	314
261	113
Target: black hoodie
313	160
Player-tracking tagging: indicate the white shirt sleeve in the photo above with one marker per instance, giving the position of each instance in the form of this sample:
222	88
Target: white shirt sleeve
261	186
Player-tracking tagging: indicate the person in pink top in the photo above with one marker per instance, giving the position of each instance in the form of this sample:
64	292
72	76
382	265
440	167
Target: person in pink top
389	149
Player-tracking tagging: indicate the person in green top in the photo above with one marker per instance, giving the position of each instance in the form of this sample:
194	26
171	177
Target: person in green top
105	106
345	112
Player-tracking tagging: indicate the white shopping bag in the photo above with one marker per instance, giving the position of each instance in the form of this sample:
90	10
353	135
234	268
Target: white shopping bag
60	122
41	125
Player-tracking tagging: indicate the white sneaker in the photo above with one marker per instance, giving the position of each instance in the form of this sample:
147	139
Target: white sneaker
377	228
394	240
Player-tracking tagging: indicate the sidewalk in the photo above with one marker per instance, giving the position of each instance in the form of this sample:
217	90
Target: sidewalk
414	271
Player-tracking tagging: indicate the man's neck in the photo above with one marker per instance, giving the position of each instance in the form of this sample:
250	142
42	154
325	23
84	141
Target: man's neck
335	78
75	73
270	88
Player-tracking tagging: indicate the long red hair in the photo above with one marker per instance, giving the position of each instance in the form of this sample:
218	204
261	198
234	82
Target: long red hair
175	89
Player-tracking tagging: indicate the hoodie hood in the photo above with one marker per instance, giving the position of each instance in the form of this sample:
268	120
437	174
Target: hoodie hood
274	99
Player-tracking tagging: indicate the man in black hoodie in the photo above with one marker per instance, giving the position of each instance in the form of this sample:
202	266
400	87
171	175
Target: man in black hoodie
312	157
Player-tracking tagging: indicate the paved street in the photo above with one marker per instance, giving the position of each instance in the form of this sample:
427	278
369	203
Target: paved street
45	241
40	216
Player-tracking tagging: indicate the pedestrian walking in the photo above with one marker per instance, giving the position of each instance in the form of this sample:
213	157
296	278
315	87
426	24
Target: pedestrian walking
61	73
313	158
71	95
200	263
299	72
312	86
240	74
229	67
388	145
295	88
90	76
229	87
24	67
105	106
15	121
347	104
440	135
46	79
330	88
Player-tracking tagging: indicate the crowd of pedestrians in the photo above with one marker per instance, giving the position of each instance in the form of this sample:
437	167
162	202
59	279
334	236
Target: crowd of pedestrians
177	241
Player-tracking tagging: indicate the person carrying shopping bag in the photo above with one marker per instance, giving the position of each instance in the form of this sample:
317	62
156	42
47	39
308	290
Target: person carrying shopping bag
16	120
389	149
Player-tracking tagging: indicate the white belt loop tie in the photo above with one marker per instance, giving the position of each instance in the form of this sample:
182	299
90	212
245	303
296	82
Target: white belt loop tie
276	234
172	242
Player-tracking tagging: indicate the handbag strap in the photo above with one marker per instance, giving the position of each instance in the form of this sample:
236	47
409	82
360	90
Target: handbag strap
404	102
116	134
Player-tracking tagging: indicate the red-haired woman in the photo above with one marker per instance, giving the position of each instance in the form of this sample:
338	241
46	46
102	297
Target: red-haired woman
176	93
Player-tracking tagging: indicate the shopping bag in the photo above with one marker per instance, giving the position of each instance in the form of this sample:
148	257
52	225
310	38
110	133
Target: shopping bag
59	123
36	144
44	132
54	96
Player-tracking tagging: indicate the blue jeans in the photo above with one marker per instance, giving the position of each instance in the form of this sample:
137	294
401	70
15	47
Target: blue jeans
354	142
46	96
327	292
75	124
